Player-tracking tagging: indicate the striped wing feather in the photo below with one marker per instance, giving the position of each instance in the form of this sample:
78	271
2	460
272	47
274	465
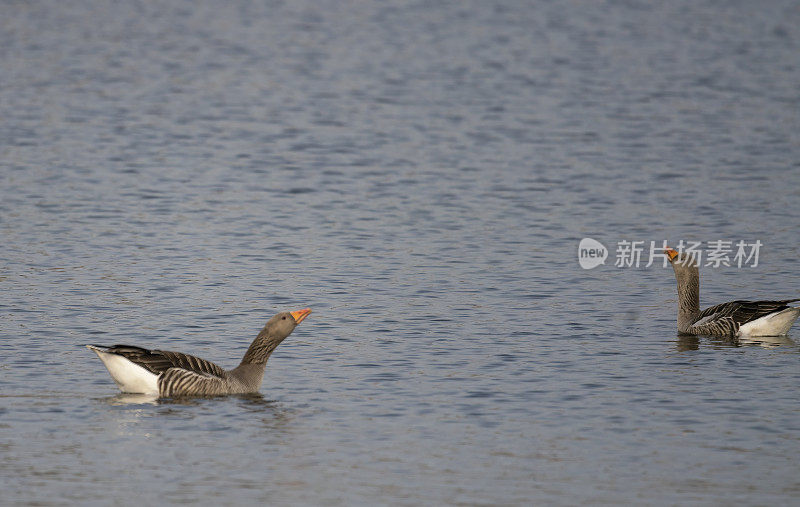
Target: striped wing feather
178	381
727	318
160	361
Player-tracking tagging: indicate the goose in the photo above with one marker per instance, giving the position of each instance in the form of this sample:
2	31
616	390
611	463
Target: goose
732	319
167	374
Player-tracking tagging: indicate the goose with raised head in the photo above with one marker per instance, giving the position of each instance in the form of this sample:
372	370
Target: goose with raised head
165	373
732	319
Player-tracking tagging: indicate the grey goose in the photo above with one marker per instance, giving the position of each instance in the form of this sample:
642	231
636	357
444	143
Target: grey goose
166	374
732	319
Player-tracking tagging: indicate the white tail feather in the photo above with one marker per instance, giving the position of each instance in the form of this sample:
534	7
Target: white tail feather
130	377
774	324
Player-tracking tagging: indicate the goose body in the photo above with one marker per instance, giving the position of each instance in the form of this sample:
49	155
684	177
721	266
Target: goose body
165	373
732	319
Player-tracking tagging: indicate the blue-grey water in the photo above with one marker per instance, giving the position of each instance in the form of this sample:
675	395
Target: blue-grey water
419	174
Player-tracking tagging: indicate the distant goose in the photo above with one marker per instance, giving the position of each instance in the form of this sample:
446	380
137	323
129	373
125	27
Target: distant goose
736	318
138	370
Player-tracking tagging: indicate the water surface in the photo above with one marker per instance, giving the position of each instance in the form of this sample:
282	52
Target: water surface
171	175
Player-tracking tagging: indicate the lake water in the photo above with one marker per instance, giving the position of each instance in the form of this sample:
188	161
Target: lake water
420	175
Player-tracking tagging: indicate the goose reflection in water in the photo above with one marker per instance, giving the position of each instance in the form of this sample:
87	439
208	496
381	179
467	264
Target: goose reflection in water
692	342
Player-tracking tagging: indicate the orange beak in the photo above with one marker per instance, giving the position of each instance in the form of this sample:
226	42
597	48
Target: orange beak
299	315
670	253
